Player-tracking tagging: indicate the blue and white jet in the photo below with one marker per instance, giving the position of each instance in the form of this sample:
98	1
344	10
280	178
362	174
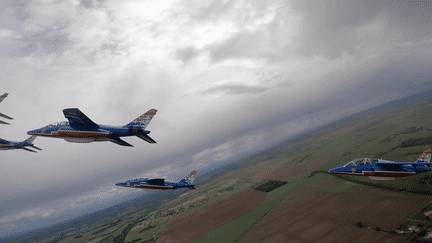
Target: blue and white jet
1	114
80	129
402	176
159	184
6	145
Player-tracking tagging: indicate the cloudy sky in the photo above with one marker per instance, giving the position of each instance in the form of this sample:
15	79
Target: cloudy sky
227	77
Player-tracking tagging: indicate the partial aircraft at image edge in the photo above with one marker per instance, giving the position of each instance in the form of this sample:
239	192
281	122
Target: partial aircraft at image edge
159	184
1	114
6	145
80	129
401	176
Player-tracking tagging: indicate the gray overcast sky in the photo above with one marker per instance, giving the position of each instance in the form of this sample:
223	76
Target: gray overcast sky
226	77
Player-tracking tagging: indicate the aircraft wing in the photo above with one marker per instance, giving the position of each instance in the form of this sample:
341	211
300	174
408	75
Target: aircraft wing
120	142
146	138
35	147
78	120
8	117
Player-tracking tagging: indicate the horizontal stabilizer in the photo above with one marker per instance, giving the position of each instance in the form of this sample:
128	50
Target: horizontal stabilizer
146	138
2	122
29	150
34	147
3	96
78	120
120	142
8	117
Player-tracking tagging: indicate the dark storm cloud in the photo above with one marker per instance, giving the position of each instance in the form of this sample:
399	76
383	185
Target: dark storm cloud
234	89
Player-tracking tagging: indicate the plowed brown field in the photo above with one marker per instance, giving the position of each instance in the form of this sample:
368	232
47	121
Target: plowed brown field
196	225
311	214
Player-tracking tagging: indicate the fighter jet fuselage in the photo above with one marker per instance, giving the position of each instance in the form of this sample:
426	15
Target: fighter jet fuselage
80	129
6	145
402	176
159	184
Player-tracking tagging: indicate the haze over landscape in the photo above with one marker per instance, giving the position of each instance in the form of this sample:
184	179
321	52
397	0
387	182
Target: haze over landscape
228	78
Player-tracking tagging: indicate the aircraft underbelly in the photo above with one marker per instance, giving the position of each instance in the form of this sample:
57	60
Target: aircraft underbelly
153	188
403	181
80	135
79	140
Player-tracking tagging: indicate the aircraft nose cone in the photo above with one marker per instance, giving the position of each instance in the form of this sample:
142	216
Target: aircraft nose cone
119	184
34	132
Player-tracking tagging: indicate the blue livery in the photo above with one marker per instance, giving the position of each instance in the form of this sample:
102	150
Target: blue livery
6	145
80	129
159	184
403	176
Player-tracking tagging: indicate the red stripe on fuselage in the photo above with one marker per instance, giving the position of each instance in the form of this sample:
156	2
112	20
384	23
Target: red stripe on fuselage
78	134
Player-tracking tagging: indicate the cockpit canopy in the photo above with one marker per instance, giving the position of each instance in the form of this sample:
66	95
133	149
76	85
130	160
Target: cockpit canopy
55	124
137	179
361	161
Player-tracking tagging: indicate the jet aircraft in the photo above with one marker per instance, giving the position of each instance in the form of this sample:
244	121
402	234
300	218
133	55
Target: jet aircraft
1	114
402	176
159	184
5	145
80	129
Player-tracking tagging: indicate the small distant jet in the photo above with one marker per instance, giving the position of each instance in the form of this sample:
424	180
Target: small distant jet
80	129
402	176
159	183
5	145
3	115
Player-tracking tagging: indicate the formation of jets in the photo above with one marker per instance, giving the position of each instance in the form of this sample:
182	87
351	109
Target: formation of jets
402	176
6	145
80	129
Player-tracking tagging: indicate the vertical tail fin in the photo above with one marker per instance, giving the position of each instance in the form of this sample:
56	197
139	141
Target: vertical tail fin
425	156
189	178
144	119
3	96
30	139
